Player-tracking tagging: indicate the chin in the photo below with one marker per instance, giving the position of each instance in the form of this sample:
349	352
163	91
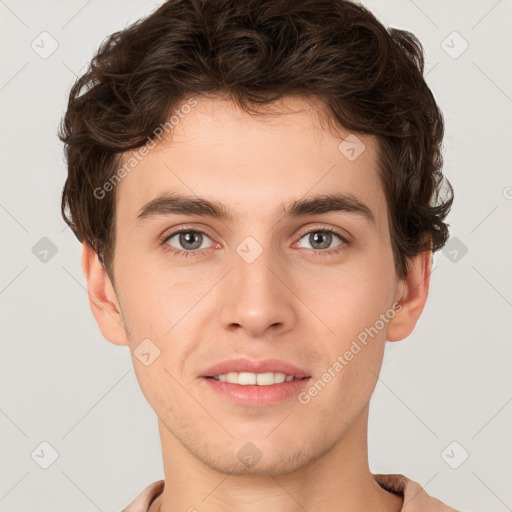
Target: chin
264	455
274	464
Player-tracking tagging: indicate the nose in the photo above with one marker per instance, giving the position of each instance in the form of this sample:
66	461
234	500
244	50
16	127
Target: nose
256	296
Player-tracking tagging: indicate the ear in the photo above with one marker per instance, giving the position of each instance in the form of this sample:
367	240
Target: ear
102	297
411	294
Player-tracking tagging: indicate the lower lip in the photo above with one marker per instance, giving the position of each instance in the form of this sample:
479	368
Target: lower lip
258	395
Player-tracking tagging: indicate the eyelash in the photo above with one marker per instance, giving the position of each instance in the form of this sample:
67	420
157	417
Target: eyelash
196	253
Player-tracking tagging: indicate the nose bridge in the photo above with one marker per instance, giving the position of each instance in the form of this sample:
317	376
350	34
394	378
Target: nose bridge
256	296
253	266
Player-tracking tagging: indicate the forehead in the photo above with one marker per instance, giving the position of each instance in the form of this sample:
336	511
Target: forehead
253	164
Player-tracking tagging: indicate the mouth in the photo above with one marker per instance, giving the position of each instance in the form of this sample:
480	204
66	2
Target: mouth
255	379
259	383
251	372
255	395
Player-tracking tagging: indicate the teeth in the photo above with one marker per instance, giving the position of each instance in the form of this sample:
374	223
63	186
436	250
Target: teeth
254	379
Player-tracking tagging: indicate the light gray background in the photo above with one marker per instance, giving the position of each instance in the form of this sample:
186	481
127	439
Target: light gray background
62	383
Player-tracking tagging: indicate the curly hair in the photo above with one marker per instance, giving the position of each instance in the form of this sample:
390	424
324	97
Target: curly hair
254	52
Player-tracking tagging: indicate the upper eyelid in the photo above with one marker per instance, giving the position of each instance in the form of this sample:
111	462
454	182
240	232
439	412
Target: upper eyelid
326	229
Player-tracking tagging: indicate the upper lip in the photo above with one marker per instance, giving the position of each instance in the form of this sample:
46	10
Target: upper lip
255	366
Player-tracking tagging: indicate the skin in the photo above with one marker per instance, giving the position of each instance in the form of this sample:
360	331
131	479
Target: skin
290	303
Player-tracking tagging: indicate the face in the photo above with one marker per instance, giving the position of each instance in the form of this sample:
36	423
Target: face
265	281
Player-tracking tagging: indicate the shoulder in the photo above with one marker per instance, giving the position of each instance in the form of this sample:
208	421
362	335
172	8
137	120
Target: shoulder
415	497
142	502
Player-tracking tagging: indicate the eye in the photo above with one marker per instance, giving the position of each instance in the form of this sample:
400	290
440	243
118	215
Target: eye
192	240
321	239
188	242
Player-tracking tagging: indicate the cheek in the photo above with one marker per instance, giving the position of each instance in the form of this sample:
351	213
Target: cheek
347	298
146	299
158	386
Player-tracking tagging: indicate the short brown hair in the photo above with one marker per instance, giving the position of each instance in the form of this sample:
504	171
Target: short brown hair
369	77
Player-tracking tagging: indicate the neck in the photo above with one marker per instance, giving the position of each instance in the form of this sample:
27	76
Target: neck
340	475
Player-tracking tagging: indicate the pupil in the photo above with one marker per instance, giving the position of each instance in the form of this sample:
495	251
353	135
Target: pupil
188	237
319	234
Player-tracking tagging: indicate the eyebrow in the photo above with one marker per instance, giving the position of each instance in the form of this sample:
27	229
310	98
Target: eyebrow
173	203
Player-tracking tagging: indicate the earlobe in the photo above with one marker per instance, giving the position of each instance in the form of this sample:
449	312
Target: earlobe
102	297
413	290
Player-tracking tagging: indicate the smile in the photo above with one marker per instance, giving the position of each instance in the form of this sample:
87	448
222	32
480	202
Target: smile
254	379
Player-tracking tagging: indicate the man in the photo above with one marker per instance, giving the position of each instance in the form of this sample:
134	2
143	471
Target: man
256	188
